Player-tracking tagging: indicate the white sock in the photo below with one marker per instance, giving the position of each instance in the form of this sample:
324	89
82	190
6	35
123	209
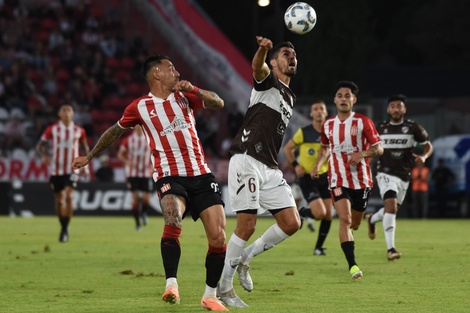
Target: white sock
378	216
389	224
271	237
210	292
232	259
171	281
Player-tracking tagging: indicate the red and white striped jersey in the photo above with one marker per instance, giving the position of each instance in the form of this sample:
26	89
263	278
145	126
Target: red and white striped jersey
64	145
137	151
356	133
170	127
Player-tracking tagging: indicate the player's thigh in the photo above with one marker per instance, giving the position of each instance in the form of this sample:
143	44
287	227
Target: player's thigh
243	183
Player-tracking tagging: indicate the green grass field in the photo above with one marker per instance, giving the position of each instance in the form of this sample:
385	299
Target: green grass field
109	267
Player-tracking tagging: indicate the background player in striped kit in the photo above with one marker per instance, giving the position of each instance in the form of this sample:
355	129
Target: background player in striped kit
348	138
315	191
134	152
182	177
58	146
399	137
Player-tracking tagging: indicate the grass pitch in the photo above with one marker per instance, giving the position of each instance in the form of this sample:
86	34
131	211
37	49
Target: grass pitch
109	267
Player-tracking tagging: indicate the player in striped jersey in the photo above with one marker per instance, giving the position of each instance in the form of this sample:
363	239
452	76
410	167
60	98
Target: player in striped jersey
182	177
256	184
134	152
315	191
348	138
399	137
58	146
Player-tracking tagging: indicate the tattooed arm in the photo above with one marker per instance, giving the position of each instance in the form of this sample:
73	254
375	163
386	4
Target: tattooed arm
105	141
211	100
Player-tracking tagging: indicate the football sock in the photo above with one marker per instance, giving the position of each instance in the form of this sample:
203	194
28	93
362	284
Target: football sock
389	225
322	233
214	264
210	292
306	212
232	259
348	249
171	250
171	281
378	216
135	213
271	237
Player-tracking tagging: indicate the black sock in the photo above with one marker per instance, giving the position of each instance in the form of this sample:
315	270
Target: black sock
171	253
348	249
136	216
322	233
214	265
64	222
145	209
306	212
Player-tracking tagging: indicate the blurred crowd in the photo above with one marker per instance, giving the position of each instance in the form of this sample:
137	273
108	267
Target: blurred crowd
70	51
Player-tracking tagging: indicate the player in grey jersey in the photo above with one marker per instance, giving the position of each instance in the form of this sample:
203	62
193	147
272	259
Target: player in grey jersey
255	182
399	137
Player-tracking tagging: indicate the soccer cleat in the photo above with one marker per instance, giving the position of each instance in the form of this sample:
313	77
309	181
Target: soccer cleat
356	273
230	298
393	254
212	304
319	251
311	227
244	277
144	219
171	295
371	226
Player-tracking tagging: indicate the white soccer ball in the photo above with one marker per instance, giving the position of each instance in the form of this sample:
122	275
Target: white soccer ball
300	18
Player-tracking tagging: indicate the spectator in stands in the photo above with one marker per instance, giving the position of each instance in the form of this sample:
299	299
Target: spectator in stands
15	134
234	120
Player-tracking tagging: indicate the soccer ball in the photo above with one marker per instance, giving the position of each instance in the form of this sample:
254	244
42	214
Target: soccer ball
300	18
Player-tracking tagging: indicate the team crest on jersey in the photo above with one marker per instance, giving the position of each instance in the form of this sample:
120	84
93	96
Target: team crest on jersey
182	102
165	188
354	130
386	131
405	129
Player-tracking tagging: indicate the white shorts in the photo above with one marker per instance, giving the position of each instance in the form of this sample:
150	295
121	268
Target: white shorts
389	182
254	186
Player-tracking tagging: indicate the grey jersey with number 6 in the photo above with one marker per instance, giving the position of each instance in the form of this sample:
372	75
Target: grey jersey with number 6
269	112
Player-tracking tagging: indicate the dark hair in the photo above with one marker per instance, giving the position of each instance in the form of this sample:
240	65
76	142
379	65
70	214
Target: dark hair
399	97
347	84
151	61
275	51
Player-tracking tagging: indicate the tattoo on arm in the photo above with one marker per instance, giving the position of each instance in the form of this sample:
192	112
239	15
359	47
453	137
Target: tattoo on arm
211	99
106	140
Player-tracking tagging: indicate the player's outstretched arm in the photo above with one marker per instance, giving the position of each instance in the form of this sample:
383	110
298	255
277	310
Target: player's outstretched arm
106	140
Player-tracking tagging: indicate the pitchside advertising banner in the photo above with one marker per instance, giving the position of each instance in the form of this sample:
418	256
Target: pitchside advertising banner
24	191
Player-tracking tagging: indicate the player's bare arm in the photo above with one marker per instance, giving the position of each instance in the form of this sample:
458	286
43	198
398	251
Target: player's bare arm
42	148
106	140
258	64
323	154
428	149
211	100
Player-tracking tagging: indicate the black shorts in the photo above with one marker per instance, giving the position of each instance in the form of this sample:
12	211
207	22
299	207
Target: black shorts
58	183
357	197
200	192
313	189
144	184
